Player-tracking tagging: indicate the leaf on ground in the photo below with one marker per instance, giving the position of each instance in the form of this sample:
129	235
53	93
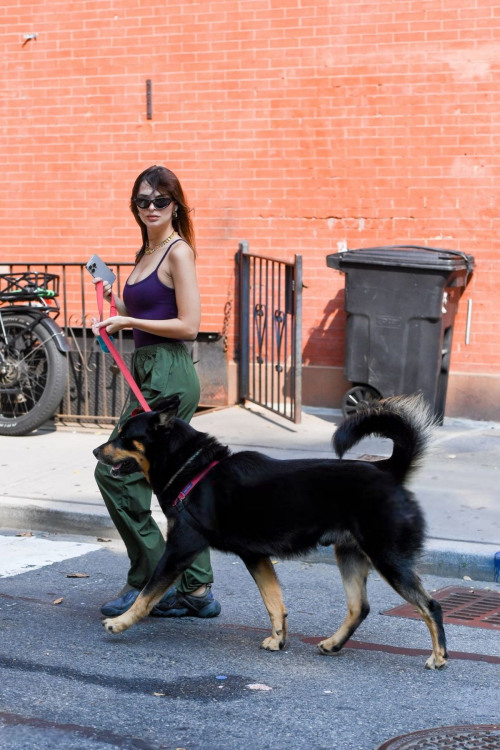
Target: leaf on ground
158	693
467	578
101	539
58	601
274	562
26	533
258	686
77	575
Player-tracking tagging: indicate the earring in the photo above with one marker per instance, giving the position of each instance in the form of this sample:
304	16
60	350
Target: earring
175	213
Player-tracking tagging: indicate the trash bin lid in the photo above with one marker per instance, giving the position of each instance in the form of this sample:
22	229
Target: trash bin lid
404	256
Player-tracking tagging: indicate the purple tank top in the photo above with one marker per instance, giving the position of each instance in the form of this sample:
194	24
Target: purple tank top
150	299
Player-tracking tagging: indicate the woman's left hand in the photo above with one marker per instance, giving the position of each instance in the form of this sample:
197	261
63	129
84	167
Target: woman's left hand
112	325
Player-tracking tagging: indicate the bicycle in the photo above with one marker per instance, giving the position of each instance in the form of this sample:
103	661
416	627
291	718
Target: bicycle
33	351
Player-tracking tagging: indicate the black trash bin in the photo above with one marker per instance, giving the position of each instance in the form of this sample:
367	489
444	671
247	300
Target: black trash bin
401	303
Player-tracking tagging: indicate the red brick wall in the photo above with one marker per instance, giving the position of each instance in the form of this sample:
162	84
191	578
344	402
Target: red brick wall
295	124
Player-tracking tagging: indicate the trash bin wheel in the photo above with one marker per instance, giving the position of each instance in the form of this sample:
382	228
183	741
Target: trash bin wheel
358	398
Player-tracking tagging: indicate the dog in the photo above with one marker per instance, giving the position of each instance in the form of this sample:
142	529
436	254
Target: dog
259	507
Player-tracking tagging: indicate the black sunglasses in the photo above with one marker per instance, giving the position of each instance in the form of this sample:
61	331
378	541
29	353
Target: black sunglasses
160	202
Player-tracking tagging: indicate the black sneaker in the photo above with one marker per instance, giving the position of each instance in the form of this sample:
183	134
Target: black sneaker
175	604
121	604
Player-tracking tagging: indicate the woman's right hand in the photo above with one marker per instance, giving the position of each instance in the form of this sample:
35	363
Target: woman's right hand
106	286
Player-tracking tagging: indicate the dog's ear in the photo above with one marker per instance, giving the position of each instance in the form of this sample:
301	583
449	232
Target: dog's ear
167	410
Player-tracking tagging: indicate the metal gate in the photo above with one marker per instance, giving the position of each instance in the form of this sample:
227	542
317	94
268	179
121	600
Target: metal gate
270	345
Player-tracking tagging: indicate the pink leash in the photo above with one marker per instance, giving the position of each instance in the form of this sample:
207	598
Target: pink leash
192	484
112	348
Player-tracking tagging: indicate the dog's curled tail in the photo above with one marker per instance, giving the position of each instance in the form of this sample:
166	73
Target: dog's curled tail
406	420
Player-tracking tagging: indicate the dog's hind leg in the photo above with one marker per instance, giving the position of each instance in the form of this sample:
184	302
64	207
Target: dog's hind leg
406	582
263	572
354	567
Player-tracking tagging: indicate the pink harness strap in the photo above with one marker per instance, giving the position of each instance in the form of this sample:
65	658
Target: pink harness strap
112	349
187	489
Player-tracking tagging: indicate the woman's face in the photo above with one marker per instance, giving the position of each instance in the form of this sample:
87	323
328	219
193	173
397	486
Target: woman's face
159	218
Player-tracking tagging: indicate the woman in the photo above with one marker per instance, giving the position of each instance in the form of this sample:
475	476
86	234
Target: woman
161	303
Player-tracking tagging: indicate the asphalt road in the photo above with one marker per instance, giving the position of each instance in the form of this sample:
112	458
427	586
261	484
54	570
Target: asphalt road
64	682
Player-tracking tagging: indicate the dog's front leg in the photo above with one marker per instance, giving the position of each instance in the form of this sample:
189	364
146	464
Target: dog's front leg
264	575
149	596
179	554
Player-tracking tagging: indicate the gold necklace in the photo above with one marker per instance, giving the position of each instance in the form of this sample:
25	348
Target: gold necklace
149	250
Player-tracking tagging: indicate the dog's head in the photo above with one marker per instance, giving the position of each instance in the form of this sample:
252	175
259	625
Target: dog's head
131	449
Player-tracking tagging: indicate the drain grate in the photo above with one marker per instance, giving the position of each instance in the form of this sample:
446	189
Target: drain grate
473	737
477	608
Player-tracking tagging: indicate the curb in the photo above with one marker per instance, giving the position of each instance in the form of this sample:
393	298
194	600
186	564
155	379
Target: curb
456	559
445	558
35	518
441	557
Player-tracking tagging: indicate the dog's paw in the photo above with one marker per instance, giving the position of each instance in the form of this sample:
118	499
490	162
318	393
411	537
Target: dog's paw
433	663
326	648
272	644
113	625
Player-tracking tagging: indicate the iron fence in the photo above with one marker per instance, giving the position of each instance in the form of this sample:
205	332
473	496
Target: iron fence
270	341
94	390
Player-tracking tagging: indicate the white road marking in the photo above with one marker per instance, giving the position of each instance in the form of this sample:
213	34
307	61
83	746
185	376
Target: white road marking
22	554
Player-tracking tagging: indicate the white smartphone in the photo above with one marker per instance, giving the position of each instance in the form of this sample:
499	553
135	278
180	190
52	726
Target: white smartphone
97	267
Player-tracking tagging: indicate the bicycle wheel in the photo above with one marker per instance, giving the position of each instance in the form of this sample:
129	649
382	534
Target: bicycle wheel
33	374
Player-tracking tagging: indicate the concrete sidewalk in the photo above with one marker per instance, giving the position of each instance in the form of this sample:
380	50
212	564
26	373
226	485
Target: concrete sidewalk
47	480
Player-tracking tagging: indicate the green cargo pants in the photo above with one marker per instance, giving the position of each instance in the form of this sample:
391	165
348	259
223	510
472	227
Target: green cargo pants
160	370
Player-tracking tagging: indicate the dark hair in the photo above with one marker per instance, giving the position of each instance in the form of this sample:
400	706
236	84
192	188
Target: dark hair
161	178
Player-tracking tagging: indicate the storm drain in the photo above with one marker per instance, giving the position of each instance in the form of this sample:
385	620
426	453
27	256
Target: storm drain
477	608
473	737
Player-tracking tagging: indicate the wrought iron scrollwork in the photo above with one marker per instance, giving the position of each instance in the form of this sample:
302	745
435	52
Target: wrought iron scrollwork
279	332
82	324
260	323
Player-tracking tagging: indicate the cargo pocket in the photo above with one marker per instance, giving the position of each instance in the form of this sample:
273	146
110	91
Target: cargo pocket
161	373
154	374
